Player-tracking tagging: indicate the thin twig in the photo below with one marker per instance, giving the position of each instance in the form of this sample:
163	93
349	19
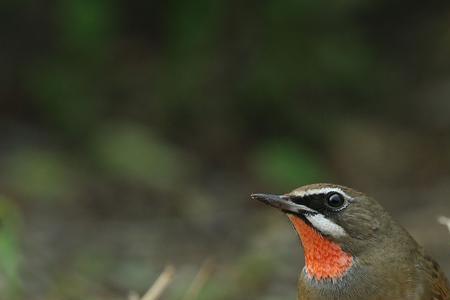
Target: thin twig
199	280
444	221
160	284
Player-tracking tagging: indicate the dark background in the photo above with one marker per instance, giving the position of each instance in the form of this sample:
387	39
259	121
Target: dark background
133	132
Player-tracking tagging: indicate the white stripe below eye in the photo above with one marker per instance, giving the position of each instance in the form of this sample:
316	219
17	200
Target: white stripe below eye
302	208
326	226
320	192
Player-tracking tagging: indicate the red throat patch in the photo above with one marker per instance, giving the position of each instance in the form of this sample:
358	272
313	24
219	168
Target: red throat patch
323	258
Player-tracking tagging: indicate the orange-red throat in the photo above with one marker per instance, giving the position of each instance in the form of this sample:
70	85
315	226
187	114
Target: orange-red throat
323	258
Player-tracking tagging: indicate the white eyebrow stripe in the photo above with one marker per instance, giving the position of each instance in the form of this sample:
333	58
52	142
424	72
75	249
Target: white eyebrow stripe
320	191
326	226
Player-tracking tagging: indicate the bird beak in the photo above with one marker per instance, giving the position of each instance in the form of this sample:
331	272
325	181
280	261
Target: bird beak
283	203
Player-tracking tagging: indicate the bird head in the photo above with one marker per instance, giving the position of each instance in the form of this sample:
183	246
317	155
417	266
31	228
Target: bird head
335	224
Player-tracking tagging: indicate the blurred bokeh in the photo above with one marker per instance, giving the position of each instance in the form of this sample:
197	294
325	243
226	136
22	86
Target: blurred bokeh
133	133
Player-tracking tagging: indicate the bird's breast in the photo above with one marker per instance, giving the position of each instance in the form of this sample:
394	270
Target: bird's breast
323	258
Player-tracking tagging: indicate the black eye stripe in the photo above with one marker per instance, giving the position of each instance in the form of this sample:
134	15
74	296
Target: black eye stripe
307	199
314	201
325	203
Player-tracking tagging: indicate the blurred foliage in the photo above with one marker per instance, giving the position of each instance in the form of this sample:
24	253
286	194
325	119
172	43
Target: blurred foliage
134	131
40	174
10	251
131	153
283	165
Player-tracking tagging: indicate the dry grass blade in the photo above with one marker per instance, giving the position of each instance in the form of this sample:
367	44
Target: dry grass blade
133	296
160	284
200	279
444	221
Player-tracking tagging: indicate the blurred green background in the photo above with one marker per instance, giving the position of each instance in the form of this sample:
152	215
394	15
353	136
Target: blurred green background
133	133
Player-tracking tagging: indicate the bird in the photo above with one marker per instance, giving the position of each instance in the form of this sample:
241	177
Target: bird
354	249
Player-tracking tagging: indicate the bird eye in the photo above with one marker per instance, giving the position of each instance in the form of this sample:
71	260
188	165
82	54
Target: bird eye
335	200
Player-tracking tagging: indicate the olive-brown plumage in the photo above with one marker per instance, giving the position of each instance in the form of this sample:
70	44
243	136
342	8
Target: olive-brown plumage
354	249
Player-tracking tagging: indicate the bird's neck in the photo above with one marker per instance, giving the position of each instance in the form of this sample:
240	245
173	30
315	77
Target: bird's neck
323	258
